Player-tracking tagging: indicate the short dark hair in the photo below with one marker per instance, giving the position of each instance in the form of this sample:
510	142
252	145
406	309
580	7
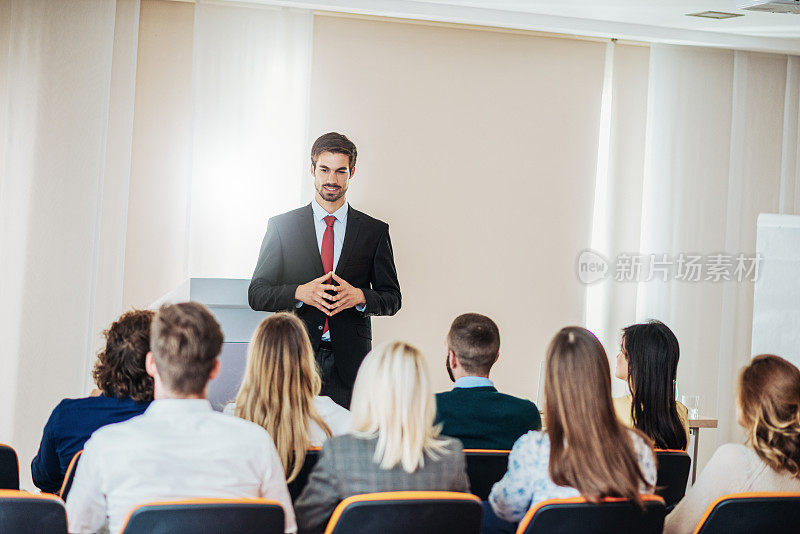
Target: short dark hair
186	342
336	143
475	340
119	371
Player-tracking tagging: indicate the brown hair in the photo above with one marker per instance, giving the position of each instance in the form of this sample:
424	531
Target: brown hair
186	342
475	340
119	371
336	143
589	448
279	386
769	403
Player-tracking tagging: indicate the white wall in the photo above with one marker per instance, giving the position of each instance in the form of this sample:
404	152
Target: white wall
479	149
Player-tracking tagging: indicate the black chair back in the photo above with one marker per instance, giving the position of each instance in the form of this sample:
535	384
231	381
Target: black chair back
484	468
296	486
673	474
401	512
612	516
207	516
69	476
752	513
9	468
26	513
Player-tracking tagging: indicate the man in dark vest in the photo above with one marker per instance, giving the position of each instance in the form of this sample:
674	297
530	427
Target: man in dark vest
474	411
332	265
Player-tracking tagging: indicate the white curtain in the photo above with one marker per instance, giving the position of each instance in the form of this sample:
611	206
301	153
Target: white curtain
250	85
720	146
56	62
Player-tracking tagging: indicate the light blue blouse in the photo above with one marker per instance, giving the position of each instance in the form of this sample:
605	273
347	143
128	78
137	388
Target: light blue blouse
528	482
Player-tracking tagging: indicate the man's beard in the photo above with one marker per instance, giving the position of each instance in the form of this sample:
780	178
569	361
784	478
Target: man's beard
331	196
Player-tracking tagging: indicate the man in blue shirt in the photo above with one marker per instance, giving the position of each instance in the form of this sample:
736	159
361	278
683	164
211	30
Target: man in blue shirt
474	411
124	391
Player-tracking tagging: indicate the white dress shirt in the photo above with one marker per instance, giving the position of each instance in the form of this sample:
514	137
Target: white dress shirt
178	449
337	418
339	228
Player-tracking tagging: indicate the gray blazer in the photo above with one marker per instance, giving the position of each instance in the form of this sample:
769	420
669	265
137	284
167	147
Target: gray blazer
346	467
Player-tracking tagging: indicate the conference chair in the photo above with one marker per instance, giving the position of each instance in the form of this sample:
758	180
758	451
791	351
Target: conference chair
207	516
401	512
69	476
673	474
611	516
484	468
296	486
9	468
752	513
25	513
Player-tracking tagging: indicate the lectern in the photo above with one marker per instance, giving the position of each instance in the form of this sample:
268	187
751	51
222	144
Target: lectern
227	300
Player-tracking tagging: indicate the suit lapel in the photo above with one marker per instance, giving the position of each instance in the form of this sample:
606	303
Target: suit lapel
309	239
350	240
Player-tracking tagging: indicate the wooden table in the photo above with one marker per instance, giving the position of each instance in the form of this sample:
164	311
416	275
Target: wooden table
694	430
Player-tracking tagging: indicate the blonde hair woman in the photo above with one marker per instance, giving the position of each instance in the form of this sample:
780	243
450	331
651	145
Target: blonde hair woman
394	445
585	450
768	409
280	392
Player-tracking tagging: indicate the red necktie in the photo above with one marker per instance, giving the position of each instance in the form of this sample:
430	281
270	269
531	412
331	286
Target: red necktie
327	252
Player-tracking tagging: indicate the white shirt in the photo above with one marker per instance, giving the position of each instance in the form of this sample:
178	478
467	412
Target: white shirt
178	449
337	418
339	227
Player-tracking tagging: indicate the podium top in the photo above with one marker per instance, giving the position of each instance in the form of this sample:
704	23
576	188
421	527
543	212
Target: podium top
213	292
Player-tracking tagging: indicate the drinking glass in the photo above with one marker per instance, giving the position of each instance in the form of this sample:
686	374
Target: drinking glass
692	403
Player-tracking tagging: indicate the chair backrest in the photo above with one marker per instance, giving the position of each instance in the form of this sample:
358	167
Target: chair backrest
207	516
484	468
673	474
26	513
400	512
69	476
611	516
9	468
296	486
752	513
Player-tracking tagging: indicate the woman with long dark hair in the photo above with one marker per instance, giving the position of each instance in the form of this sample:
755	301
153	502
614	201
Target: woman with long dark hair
585	450
648	362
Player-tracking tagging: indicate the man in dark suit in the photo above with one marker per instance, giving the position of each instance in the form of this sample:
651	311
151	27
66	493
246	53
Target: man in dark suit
474	411
332	265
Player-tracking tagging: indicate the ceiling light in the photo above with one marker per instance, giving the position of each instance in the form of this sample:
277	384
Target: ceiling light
715	15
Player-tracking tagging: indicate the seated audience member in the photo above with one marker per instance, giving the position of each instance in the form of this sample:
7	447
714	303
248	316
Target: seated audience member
394	445
125	391
180	448
768	409
474	411
585	451
280	391
648	362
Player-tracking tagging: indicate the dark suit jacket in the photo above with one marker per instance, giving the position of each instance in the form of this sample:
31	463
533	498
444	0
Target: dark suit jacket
347	467
290	257
483	418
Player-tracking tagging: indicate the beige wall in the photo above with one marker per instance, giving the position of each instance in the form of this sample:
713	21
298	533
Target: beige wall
479	149
157	240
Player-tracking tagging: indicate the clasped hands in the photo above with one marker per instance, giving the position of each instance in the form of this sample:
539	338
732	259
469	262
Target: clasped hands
315	293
